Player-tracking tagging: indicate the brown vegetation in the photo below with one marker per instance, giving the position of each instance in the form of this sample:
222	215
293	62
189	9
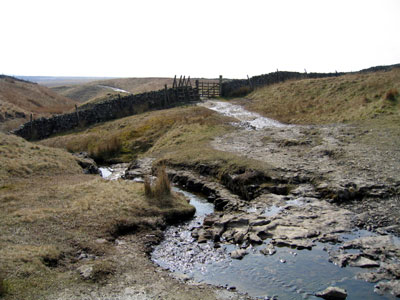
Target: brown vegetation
50	212
392	94
346	98
159	131
159	192
18	99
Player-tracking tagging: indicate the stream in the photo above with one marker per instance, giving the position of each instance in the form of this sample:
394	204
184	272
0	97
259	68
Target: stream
288	274
246	118
114	89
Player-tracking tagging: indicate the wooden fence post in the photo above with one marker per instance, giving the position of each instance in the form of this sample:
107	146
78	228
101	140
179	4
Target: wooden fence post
174	84
250	84
180	81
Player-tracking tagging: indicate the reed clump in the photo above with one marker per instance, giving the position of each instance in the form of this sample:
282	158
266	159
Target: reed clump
160	191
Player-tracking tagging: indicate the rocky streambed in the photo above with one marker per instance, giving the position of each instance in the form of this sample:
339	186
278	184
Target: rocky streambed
282	247
292	254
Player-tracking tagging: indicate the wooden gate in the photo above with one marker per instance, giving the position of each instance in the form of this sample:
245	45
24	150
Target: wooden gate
209	89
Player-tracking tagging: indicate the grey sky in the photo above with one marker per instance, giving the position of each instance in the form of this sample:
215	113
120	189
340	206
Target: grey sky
197	38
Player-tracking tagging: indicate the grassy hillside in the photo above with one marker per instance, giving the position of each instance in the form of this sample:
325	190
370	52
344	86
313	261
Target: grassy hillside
347	98
179	136
98	89
50	212
18	99
153	132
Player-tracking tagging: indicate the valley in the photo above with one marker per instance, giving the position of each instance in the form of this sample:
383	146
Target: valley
319	177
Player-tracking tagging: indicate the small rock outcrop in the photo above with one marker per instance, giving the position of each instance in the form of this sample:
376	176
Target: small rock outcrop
332	293
238	254
88	165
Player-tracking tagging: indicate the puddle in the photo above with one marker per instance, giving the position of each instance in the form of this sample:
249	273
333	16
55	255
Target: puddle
247	119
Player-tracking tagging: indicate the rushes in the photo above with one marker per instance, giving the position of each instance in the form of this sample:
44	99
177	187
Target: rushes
160	191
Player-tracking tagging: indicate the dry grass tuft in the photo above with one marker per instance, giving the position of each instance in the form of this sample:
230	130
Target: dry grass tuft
106	150
160	192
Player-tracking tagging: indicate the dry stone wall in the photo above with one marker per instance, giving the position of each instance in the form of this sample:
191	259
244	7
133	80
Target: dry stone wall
108	110
239	86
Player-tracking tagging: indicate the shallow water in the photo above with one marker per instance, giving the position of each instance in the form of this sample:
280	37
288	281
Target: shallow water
112	173
289	274
114	89
247	119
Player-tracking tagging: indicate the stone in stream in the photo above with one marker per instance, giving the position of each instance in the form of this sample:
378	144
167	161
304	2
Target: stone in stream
363	262
374	276
342	259
238	254
332	293
254	238
298	244
239	235
371	242
392	286
88	165
269	250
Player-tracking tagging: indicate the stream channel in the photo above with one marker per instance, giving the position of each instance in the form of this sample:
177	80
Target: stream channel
288	274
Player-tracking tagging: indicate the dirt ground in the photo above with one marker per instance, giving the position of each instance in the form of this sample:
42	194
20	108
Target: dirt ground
358	163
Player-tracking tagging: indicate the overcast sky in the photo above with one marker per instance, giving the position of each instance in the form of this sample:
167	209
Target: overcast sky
203	38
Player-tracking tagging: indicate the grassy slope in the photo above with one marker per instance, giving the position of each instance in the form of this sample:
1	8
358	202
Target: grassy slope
50	211
178	136
24	97
152	132
90	91
348	98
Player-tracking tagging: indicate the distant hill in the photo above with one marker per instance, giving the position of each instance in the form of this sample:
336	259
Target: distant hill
51	81
19	98
90	91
